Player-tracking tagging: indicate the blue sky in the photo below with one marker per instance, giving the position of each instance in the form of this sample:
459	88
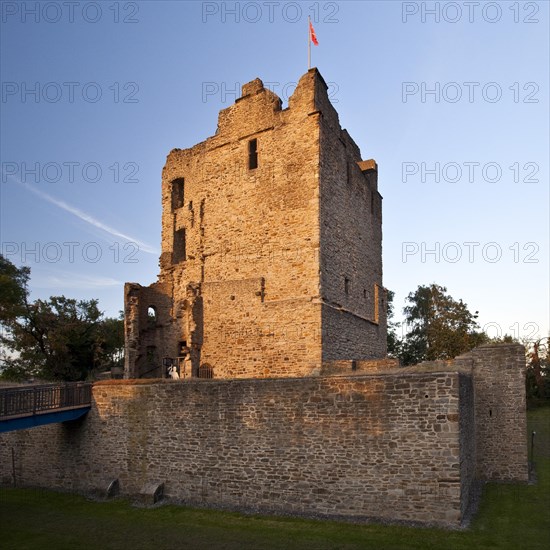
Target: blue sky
453	105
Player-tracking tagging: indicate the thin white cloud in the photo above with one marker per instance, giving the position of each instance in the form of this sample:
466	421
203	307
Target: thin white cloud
86	217
73	280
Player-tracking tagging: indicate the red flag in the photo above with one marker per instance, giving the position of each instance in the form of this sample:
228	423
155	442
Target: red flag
312	36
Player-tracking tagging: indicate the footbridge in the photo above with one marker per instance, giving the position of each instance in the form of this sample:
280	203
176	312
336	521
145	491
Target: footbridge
23	407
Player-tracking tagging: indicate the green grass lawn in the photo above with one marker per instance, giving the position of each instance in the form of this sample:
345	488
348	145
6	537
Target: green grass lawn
510	516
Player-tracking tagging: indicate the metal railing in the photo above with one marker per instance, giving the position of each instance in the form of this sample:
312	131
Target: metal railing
26	401
206	371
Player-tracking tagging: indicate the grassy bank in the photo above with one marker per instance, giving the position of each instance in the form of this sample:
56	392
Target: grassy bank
510	516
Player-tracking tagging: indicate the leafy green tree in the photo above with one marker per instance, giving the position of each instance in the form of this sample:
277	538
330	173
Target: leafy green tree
112	342
13	302
537	380
394	343
440	327
56	339
13	290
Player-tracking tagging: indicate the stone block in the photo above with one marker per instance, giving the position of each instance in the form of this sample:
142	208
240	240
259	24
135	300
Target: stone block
151	493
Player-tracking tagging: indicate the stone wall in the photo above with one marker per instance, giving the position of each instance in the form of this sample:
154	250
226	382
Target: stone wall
382	446
498	373
354	307
404	444
467	442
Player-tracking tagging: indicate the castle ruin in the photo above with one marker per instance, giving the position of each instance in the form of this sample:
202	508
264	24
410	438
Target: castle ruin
271	284
271	247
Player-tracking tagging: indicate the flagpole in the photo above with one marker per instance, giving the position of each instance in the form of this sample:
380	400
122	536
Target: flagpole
308	43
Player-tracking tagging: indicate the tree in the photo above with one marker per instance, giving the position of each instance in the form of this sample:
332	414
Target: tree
537	380
56	339
13	300
393	341
440	326
112	342
13	290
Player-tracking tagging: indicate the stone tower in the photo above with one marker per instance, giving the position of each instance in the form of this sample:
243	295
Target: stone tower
271	247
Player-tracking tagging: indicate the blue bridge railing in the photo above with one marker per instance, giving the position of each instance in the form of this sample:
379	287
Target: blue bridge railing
34	400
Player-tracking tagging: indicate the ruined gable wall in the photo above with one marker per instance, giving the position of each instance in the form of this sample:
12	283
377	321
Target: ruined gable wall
141	334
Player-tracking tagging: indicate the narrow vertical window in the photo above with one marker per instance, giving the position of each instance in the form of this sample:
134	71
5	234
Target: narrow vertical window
179	252
346	285
376	305
253	154
178	190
